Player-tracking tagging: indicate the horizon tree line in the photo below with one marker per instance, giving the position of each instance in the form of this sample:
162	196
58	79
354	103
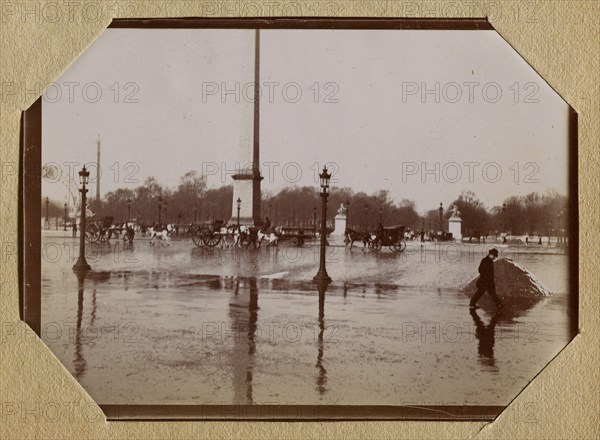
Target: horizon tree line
191	201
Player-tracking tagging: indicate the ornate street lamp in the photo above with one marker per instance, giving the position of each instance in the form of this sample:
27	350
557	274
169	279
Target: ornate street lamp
322	276
441	209
81	264
366	218
128	210
159	209
65	221
239	205
315	221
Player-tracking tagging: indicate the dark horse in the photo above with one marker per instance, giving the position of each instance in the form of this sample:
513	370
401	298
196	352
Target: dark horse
357	236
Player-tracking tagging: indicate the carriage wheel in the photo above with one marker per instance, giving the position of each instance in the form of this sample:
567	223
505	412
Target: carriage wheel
210	239
294	241
197	237
92	233
398	246
105	236
375	245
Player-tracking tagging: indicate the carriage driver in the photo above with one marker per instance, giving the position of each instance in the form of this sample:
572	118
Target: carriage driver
379	230
266	225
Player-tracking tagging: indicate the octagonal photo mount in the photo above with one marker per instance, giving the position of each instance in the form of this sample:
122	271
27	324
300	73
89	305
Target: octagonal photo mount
199	290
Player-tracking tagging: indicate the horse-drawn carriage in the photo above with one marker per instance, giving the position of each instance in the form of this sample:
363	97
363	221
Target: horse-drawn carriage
392	236
207	233
214	232
98	229
442	236
293	235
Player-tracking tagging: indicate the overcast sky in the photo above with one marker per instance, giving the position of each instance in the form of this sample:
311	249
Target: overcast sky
379	129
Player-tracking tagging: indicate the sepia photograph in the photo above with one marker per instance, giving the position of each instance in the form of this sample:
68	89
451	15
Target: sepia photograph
299	220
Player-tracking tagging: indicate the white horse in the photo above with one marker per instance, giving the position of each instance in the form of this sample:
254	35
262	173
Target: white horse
241	234
227	232
162	232
271	238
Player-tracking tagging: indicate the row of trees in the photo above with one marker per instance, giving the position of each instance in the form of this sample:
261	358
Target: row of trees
532	214
295	206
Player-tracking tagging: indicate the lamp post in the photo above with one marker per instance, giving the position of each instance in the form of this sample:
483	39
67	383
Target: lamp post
315	221
441	209
65	221
159	208
47	221
381	215
128	210
239	205
81	264
559	228
366	218
322	276
195	214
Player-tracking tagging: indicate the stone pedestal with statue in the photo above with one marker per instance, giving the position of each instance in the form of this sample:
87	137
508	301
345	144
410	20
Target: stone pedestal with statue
340	221
455	224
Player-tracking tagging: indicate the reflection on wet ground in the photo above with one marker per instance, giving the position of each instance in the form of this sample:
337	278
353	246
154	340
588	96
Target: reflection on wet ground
181	325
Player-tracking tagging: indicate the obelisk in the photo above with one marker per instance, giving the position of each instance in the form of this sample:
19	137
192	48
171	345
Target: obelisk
246	182
98	168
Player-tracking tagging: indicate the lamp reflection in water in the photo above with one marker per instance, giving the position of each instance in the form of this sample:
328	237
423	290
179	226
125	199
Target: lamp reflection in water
93	316
321	371
79	361
485	335
243	310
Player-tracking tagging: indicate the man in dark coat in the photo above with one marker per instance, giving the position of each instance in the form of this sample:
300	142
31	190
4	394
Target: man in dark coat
486	280
266	226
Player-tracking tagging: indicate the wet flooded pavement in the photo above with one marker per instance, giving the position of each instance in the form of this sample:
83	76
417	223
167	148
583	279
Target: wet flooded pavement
183	325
